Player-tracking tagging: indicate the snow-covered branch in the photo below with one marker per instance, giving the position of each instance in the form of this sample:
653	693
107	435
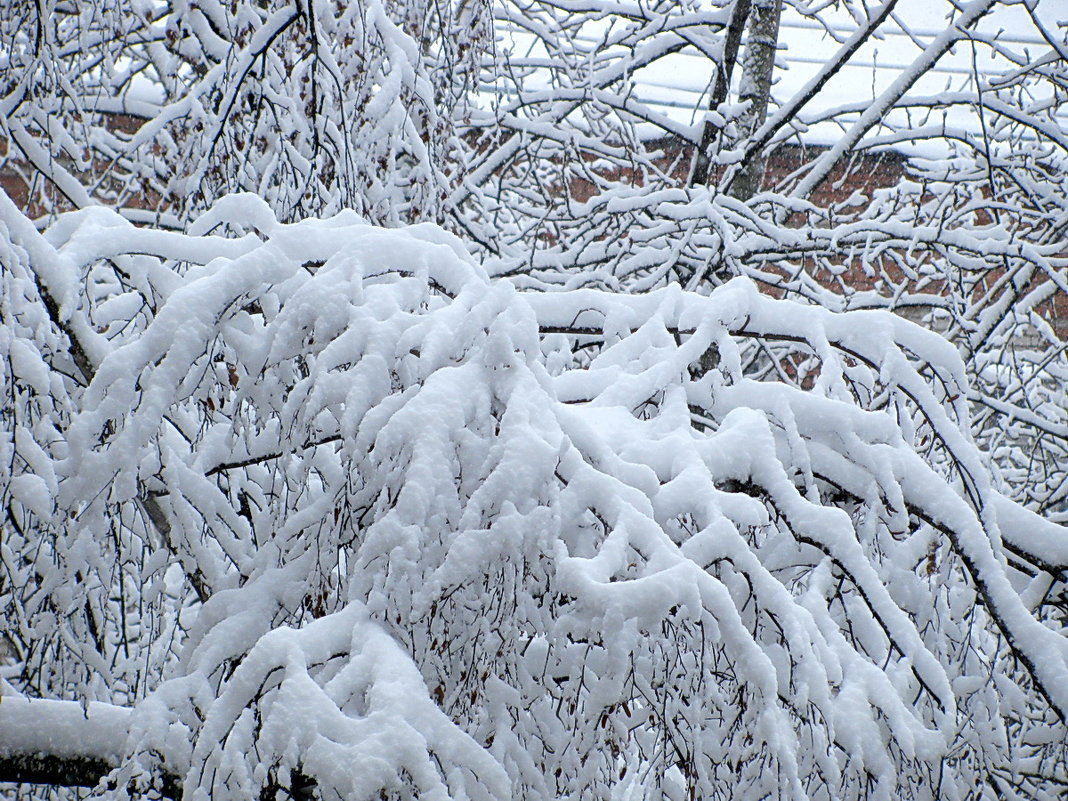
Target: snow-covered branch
61	742
419	497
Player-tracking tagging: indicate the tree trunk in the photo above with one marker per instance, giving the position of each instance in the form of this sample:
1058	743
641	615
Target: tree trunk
710	130
758	63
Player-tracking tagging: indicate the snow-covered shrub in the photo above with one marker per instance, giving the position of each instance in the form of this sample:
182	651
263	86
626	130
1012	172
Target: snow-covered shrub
165	107
334	512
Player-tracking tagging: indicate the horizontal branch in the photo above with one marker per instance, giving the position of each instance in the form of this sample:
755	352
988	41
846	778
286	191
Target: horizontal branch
63	743
54	770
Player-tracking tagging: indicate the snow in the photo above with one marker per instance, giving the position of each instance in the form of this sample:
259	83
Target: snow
476	463
38	726
325	499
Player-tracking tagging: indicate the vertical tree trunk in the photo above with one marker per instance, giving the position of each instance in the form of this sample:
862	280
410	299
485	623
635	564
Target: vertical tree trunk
758	63
702	160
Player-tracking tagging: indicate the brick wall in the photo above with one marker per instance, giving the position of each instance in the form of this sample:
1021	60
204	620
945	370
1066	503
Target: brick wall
863	173
11	181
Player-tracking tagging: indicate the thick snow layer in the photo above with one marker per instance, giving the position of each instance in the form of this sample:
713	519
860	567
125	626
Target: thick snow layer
38	726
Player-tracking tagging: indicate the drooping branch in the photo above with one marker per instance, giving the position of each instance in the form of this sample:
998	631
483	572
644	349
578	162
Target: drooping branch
963	530
47	264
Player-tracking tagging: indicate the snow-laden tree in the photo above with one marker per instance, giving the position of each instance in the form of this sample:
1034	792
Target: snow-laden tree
523	126
973	238
321	509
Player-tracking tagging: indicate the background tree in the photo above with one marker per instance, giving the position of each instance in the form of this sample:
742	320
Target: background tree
314	106
971	240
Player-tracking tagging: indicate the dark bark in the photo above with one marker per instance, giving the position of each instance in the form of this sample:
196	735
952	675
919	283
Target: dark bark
710	131
69	771
758	65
